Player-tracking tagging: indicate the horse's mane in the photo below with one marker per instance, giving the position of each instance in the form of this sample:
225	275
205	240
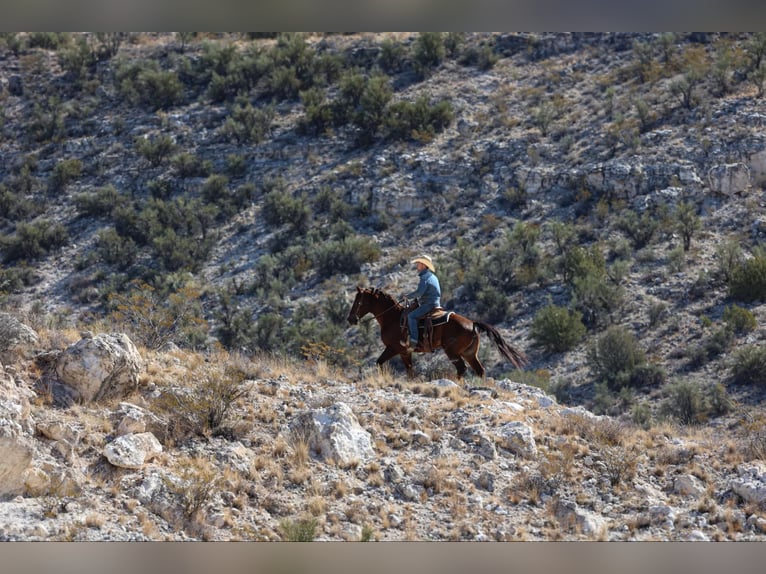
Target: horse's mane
380	294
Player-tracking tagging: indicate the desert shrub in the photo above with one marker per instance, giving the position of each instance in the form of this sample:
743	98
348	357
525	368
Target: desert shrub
189	165
557	329
280	207
155	150
64	173
155	317
685	402
114	249
196	486
303	530
237	329
248	124
492	304
268	330
419	120
47	120
596	297
687	222
16	207
615	356
33	240
392	55
318	112
712	346
428	52
77	59
639	228
748	365
346	255
373	108
176	252
748	279
48	40
729	256
99	203
144	83
739	319
482	57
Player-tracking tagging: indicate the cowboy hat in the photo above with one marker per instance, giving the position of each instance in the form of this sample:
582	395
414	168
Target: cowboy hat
425	260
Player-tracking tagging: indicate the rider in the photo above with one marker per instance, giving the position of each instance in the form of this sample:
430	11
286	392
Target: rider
428	295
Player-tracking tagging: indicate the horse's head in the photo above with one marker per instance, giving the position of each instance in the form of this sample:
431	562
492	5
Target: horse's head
360	306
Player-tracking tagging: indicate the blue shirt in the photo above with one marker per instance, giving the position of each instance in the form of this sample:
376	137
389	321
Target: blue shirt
429	291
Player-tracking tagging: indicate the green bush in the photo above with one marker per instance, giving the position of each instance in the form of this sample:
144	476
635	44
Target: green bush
155	150
392	56
99	203
557	329
303	530
639	228
188	165
748	365
346	255
33	240
64	173
114	249
615	356
739	319
685	402
144	83
428	52
279	208
712	346
418	120
748	280
248	124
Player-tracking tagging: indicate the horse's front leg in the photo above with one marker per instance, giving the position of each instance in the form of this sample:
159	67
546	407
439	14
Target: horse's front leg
391	352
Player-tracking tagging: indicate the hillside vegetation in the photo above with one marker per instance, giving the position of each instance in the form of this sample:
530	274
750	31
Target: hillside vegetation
218	198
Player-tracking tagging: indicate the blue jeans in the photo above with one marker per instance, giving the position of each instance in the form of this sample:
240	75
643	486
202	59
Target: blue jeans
412	321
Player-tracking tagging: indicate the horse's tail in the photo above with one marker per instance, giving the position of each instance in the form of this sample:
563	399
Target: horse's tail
514	355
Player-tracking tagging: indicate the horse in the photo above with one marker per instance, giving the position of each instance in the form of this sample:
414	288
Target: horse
459	336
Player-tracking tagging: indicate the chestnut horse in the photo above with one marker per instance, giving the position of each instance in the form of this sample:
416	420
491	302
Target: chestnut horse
458	337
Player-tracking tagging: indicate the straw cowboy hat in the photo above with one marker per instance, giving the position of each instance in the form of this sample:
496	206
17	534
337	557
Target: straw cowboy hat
425	260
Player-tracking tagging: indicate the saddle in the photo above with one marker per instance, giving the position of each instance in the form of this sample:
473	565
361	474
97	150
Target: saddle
435	317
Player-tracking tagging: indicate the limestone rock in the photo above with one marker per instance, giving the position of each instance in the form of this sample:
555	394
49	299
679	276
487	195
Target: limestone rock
102	366
729	179
751	483
135	419
335	434
132	450
518	438
13	332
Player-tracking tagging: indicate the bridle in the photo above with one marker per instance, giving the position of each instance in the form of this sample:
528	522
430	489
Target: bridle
356	306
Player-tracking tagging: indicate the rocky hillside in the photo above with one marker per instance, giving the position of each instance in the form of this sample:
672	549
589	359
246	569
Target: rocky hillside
204	206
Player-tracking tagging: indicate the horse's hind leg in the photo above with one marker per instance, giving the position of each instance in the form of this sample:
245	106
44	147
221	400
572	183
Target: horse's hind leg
476	365
458	362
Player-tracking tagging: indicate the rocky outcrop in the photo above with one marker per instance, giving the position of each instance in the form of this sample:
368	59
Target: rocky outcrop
101	366
335	434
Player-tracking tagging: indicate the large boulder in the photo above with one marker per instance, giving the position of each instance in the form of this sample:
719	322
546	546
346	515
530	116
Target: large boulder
100	366
335	434
13	332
